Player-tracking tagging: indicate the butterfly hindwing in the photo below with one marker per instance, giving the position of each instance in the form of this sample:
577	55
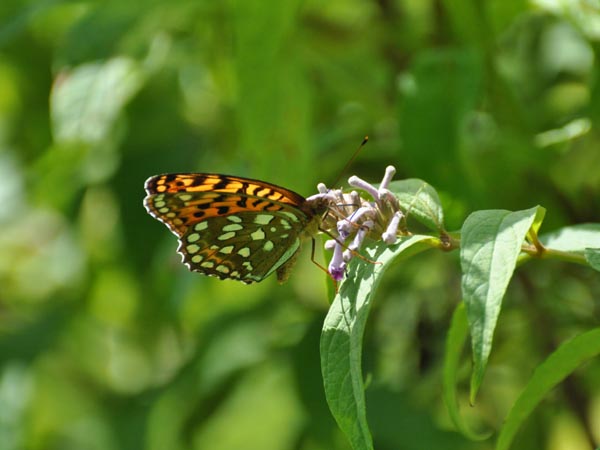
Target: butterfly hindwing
244	246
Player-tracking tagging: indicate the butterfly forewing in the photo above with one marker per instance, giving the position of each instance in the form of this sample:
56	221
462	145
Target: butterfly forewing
229	227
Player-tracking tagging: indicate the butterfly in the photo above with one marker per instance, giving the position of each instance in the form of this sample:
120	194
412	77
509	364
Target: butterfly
233	227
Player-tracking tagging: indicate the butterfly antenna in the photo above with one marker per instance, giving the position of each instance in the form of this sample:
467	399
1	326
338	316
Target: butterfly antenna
351	160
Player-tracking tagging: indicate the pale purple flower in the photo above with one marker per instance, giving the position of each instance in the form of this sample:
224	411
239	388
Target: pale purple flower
358	239
390	235
390	171
337	265
352	215
361	184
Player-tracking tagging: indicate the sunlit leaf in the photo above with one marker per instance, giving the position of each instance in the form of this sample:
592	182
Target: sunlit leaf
575	238
490	244
592	255
421	201
457	336
341	339
556	368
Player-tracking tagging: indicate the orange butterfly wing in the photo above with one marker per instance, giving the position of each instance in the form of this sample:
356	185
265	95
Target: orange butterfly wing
229	227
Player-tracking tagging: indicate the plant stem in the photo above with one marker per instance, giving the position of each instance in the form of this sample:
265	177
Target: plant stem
452	241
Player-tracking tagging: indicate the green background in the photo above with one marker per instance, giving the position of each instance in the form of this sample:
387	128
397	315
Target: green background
108	342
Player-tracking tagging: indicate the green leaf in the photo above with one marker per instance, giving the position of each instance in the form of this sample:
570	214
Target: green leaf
86	102
457	335
490	244
592	256
532	234
421	201
435	98
556	368
263	116
341	338
573	239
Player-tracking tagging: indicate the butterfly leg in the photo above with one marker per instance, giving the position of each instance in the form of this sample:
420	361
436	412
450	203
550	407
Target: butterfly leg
312	258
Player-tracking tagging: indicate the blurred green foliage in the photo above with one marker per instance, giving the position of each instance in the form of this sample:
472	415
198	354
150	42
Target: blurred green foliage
108	342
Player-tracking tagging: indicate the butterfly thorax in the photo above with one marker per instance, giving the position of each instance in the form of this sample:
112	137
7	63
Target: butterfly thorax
315	209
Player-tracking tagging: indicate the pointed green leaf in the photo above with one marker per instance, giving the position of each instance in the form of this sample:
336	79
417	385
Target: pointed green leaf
556	368
457	335
573	239
421	201
592	256
341	338
532	235
490	244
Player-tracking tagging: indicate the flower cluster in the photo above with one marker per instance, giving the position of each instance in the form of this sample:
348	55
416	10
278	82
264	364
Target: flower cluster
351	218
